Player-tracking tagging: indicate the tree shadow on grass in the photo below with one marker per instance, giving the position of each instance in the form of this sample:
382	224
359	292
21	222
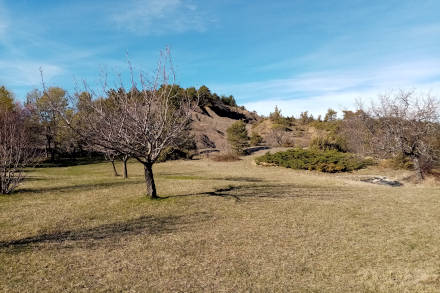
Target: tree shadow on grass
145	225
34	178
242	179
77	187
70	162
275	191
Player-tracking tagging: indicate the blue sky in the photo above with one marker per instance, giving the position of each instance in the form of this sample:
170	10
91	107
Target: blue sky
299	55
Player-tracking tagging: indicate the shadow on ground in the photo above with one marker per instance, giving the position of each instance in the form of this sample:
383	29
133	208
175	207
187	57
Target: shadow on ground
78	187
148	225
252	150
70	162
274	191
241	179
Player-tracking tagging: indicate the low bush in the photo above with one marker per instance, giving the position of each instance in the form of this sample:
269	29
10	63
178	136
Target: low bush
330	161
398	162
330	126
329	142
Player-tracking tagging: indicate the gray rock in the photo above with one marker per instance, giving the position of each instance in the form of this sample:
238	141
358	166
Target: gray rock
382	180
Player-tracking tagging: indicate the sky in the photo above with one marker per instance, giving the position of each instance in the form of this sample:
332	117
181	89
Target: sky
297	54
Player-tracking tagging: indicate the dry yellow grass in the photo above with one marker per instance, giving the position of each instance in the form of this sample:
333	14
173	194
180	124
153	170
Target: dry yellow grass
225	227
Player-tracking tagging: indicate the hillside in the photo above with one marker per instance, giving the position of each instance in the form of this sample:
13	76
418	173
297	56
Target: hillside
211	121
291	135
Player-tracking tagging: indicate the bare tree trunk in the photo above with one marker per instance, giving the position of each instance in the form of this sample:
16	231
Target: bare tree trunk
49	149
124	162
418	169
149	180
115	172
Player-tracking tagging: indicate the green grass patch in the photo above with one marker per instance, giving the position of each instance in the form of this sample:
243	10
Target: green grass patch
330	161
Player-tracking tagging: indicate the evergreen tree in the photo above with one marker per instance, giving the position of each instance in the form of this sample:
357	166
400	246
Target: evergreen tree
6	99
330	116
238	137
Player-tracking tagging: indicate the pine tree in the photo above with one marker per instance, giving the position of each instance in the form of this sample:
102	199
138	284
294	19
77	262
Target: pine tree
238	137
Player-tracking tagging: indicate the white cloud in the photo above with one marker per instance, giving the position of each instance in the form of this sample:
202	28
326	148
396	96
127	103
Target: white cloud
158	17
317	91
26	73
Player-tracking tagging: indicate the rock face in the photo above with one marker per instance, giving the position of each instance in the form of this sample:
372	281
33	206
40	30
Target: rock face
209	125
382	180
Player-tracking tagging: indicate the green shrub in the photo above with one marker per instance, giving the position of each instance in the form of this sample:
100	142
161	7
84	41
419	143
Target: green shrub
325	161
330	126
256	139
329	142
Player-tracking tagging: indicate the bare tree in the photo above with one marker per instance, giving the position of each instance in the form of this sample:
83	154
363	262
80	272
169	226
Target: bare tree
84	112
16	149
276	136
109	155
279	136
402	124
140	122
356	129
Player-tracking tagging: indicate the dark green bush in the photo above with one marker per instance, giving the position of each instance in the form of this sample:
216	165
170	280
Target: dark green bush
325	161
230	101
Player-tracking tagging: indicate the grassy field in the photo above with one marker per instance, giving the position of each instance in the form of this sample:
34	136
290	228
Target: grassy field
224	227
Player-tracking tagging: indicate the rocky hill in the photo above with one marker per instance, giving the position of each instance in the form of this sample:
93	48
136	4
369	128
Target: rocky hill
215	114
211	121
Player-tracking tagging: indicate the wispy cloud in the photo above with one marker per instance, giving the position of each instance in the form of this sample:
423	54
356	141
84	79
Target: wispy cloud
146	17
3	26
4	22
317	91
26	73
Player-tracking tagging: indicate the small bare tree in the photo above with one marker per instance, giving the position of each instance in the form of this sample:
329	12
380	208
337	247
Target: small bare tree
109	155
142	121
401	124
16	149
84	115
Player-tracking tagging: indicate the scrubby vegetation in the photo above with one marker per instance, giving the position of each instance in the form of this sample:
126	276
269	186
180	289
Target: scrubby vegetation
399	162
330	161
329	142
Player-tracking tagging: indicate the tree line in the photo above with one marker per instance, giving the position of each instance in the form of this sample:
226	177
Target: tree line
404	125
150	117
139	121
